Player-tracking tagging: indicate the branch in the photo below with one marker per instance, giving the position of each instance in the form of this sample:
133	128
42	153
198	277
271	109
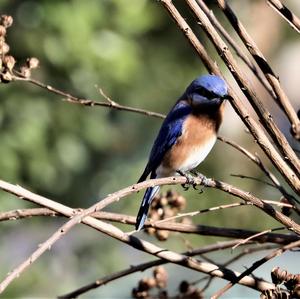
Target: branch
239	107
170	226
256	71
264	116
142	267
116	233
83	101
266	171
281	99
284	12
257	264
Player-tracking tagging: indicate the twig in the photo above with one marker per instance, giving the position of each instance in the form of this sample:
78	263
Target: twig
265	116
142	267
284	12
257	264
242	176
239	107
267	172
130	240
246	251
282	99
256	235
86	102
175	227
256	71
286	221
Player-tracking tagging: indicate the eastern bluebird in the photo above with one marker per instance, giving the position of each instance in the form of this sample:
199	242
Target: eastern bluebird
186	136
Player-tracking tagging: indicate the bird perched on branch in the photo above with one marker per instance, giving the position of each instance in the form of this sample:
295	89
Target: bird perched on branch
186	136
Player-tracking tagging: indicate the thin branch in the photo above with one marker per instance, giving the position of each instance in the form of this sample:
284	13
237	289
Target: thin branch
256	71
174	227
266	171
257	264
257	235
238	105
142	267
242	176
264	116
86	102
282	99
132	241
79	217
284	12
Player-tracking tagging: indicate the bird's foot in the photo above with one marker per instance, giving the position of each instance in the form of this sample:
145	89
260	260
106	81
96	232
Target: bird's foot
190	180
202	177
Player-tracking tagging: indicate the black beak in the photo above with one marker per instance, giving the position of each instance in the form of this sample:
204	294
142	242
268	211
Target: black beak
227	97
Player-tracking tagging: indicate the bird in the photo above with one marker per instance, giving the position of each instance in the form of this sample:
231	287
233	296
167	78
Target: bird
186	136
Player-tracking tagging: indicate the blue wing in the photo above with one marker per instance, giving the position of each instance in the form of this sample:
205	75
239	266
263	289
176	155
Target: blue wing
169	132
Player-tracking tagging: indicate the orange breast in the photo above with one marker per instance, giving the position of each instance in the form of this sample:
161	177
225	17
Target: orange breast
198	136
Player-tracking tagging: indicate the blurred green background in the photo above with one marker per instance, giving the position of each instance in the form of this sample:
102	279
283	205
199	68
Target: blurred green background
77	155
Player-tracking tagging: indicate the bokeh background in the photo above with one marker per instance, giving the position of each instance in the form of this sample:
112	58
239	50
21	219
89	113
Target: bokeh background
77	155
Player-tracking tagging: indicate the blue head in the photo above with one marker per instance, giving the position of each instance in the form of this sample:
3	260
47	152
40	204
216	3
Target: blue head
207	90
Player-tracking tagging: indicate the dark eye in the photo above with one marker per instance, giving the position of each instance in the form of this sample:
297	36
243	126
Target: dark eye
206	93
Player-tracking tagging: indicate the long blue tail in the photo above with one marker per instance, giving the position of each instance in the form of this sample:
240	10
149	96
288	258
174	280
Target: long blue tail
143	211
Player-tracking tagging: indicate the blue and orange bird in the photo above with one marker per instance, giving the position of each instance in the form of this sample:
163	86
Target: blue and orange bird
186	136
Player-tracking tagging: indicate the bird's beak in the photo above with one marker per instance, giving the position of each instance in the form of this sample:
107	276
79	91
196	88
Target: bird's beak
227	97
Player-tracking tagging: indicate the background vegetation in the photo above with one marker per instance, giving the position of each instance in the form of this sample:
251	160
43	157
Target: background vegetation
77	154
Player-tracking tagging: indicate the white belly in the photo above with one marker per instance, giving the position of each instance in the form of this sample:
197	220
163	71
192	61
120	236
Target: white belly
197	154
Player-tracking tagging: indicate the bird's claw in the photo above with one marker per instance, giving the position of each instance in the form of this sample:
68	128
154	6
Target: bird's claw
190	181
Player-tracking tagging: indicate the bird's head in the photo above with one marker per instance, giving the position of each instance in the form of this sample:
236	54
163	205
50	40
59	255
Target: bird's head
207	90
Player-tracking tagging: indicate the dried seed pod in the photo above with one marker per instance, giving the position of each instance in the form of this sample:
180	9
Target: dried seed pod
6	20
146	284
32	62
179	202
2	31
139	294
4	48
162	235
161	276
296	291
184	287
6	77
196	294
25	71
9	62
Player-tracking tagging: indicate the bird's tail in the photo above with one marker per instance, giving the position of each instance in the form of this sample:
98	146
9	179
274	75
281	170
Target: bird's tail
143	211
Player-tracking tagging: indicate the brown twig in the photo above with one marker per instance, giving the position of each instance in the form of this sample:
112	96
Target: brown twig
284	12
281	97
142	267
86	102
79	217
239	107
125	238
265	116
256	71
257	264
257	235
175	227
266	171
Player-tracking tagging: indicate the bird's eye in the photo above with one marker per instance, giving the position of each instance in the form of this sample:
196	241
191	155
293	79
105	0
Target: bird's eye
206	93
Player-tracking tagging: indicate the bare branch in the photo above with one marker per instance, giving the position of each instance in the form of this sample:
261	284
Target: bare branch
257	264
86	102
281	99
284	12
142	267
239	107
243	82
121	236
175	227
